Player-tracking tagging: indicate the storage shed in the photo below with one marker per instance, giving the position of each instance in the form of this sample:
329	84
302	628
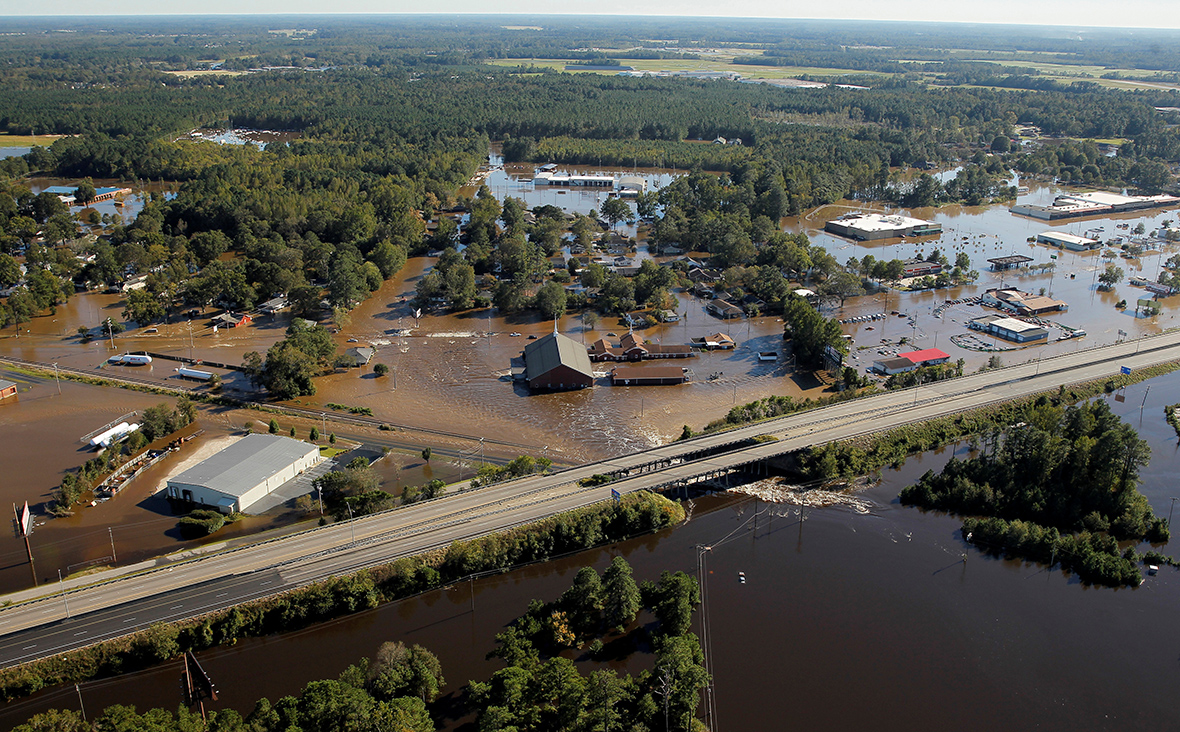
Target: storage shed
7	389
648	376
236	478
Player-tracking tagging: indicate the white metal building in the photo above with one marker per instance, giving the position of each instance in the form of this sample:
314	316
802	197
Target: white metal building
235	479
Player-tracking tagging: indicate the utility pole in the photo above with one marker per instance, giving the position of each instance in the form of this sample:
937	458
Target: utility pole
80	704
57	378
62	586
350	524
1141	406
111	330
114	557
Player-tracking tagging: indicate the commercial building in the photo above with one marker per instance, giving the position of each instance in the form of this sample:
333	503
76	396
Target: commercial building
573	181
724	309
890	366
556	362
1068	241
239	476
926	357
633	347
999	264
1095	203
66	193
715	342
648	376
1024	303
904	362
921	268
866	227
1010	329
7	389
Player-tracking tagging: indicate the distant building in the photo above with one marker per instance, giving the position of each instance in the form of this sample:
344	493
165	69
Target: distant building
866	227
1067	241
890	366
232	320
274	305
360	355
648	376
1010	329
921	268
1095	203
715	342
556	362
926	357
999	264
138	282
1024	303
239	476
724	309
573	181
633	347
7	389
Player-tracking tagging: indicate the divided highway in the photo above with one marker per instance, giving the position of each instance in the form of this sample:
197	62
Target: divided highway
120	605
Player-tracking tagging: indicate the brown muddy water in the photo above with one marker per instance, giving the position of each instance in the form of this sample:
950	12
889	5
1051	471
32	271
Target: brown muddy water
847	621
42	431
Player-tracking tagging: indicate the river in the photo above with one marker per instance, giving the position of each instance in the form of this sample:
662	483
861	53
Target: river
846	621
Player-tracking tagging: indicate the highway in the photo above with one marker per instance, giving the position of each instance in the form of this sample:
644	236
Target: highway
111	608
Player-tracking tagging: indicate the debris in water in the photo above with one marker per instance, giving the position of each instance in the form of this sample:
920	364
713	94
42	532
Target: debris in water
774	491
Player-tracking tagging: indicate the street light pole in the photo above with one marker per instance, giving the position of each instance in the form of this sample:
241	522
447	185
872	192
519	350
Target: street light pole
62	586
111	532
350	526
57	378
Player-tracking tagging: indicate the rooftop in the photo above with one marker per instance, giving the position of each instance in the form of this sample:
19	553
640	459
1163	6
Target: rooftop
880	222
926	354
549	352
6	384
244	464
1010	260
1065	236
1012	324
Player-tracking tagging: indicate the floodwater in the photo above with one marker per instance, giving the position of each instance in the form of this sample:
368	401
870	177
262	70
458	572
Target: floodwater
851	620
14	152
44	429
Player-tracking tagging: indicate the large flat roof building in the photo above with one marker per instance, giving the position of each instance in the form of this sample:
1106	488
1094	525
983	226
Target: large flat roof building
1094	203
556	362
865	227
239	476
1010	329
1068	241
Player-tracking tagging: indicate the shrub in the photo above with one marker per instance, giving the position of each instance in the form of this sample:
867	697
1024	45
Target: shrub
201	522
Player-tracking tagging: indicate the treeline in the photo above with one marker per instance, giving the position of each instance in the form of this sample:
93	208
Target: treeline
607	522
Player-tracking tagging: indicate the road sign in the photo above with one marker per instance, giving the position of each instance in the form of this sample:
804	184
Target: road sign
1125	370
26	520
1052	256
615	494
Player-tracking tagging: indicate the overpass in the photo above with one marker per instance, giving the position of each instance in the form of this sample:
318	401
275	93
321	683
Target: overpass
48	620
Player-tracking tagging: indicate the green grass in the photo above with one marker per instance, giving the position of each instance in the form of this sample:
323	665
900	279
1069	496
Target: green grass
27	140
330	452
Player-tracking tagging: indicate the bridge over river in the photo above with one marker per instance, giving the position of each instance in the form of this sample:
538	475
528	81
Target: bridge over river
50	619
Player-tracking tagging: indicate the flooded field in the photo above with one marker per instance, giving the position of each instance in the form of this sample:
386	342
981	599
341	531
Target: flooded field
869	619
43	429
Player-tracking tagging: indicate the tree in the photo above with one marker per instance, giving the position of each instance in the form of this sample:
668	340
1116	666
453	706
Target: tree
400	671
426	452
1110	277
273	427
85	192
672	601
615	210
551	300
842	286
143	307
620	594
9	271
582	602
380	369
314	434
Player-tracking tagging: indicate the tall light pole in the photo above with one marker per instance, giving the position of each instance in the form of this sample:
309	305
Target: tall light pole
62	586
57	378
350	525
111	532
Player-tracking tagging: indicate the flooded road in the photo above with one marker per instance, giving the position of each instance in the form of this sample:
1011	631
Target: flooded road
861	619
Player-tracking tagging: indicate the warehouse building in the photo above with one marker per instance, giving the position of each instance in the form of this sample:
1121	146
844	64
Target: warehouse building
1068	241
866	227
239	476
557	363
1010	329
648	376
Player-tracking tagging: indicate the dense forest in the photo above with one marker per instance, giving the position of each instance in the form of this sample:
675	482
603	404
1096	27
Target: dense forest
1063	484
388	124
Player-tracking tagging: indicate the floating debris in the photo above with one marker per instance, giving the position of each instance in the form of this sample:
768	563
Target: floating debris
774	491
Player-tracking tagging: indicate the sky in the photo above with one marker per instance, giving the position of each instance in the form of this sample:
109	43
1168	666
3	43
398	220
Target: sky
1093	13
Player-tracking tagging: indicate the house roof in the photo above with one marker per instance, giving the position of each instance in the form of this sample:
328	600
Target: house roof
362	354
6	384
926	354
647	372
720	338
244	464
547	353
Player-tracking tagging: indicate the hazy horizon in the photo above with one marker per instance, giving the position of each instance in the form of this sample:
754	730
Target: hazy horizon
1079	14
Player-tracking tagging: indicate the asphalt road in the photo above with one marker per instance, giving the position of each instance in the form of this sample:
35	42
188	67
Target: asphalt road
109	609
